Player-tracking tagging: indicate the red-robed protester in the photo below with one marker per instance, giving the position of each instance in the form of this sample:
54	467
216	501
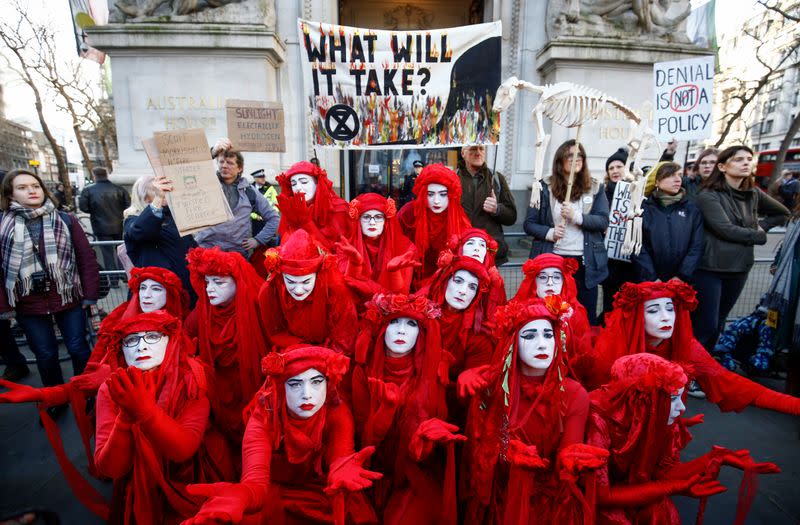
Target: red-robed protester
399	382
307	202
551	274
379	258
525	448
227	327
476	243
461	289
636	418
300	465
152	414
305	299
653	317
151	289
433	217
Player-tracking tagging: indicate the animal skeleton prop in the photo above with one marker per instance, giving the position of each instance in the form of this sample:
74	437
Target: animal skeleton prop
573	105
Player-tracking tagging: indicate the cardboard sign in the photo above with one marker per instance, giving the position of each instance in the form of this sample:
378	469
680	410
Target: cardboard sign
255	125
615	234
183	156
683	91
369	89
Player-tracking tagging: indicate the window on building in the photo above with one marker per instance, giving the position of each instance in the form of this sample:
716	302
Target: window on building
795	142
766	127
796	97
771	105
764	146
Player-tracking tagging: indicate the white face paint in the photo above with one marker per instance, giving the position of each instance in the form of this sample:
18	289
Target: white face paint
659	318
306	393
437	198
220	289
462	287
550	281
152	296
676	406
475	247
300	286
401	335
537	347
372	223
305	184
145	350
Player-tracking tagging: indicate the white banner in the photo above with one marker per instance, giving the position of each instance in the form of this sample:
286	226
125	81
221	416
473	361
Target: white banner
683	96
368	88
615	234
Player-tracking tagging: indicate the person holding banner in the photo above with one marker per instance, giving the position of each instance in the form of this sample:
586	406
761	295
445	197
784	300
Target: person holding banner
619	270
485	197
573	230
237	235
672	229
433	217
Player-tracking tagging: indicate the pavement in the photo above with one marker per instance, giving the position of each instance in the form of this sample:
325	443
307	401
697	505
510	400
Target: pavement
31	478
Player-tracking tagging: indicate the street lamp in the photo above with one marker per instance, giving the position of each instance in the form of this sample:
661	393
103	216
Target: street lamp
35	165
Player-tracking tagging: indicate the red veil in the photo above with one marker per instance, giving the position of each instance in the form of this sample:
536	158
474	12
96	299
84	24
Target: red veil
156	486
377	253
497	288
327	316
229	337
432	231
325	217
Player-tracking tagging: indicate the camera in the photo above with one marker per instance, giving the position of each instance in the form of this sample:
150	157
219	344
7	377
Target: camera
39	282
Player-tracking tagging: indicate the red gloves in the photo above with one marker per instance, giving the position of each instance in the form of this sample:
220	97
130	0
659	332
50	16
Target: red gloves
575	459
348	473
92	377
742	460
525	456
386	394
409	258
350	252
643	494
694	420
48	396
227	504
295	210
134	392
429	433
472	380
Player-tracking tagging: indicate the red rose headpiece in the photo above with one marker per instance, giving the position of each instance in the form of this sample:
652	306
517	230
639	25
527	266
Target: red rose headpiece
300	254
532	268
632	295
517	312
389	305
303	167
299	358
177	296
372	201
649	371
456	243
438	174
213	261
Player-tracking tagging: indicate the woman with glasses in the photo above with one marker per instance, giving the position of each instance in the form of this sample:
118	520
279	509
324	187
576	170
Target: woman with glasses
378	257
573	229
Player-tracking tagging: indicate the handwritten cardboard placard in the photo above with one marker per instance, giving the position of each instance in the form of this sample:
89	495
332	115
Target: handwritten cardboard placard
615	234
183	156
256	126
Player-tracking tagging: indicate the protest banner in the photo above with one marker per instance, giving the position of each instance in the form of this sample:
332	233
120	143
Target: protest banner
683	90
617	219
369	89
196	201
256	126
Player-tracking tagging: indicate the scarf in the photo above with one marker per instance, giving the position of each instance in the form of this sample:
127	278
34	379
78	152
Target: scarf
20	258
665	199
779	293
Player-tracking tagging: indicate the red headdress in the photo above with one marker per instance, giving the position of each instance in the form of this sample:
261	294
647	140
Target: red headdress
377	253
491	426
177	296
431	226
624	333
636	405
301	254
476	314
235	324
301	438
179	381
532	268
325	201
456	244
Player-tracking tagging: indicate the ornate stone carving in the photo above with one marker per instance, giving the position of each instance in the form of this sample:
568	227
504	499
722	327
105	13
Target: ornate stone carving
407	16
194	11
639	19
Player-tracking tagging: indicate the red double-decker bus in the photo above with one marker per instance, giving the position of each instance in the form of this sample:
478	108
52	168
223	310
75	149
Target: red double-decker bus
766	161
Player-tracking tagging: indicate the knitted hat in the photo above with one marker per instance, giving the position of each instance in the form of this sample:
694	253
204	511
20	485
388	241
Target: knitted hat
621	155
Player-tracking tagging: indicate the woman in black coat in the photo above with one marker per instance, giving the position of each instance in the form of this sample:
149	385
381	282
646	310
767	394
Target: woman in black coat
672	230
151	236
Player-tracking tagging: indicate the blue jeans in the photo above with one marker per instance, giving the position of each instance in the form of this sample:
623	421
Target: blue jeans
717	293
43	343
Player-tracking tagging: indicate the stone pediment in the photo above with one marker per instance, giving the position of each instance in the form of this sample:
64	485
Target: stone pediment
258	12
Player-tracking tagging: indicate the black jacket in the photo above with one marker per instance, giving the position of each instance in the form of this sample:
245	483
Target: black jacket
672	241
104	201
595	256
